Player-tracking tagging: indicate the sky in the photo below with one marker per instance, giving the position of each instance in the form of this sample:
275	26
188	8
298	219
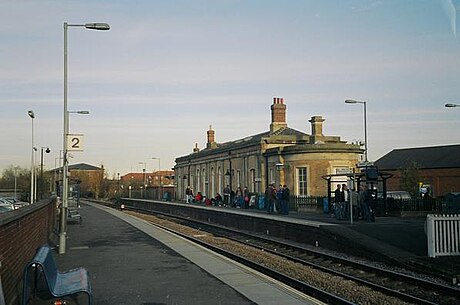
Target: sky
168	69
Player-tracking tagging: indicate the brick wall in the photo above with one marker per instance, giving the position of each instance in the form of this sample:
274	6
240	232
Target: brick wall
442	180
21	232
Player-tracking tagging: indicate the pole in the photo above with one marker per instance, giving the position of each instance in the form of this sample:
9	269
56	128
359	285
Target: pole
63	218
32	166
365	132
352	189
15	182
159	173
118	193
35	179
41	174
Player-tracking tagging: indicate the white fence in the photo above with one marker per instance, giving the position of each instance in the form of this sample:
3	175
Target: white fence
443	233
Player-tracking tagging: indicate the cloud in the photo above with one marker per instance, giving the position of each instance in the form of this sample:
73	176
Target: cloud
450	10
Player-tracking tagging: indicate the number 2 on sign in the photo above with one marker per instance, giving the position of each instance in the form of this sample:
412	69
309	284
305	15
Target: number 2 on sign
75	142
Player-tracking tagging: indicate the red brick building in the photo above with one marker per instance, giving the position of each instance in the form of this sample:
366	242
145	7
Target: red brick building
439	167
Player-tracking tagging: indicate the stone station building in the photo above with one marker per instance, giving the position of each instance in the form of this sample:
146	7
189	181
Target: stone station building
281	155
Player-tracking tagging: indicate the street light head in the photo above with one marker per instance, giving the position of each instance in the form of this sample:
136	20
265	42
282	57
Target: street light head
97	26
79	112
48	150
451	105
31	114
351	102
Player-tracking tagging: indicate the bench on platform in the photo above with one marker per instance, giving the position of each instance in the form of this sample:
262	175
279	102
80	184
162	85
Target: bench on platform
74	216
58	284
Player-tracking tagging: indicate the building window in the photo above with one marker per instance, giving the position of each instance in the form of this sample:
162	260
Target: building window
219	183
213	183
203	185
238	178
198	180
302	181
272	176
253	180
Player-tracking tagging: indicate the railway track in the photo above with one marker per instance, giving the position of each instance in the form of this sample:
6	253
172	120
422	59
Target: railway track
409	288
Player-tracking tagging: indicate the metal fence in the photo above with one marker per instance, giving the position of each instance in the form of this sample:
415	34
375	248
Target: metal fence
304	203
381	207
392	206
320	204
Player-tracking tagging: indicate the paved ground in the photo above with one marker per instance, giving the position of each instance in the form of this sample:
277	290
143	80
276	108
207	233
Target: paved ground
129	267
130	264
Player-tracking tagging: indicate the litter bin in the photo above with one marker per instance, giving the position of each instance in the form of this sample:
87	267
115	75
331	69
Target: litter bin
325	205
452	201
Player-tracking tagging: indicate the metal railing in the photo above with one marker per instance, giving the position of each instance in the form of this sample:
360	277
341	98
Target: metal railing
310	203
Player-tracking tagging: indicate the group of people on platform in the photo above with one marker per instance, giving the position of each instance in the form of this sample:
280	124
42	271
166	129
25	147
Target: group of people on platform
277	201
361	203
238	199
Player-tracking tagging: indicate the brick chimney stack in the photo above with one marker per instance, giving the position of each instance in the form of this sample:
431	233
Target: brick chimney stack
211	143
278	114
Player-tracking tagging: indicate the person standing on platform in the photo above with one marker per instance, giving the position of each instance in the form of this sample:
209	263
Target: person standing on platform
246	197
337	199
285	202
270	198
364	197
188	194
227	192
279	199
345	195
239	200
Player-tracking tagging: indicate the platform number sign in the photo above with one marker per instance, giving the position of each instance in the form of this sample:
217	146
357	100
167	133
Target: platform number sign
75	142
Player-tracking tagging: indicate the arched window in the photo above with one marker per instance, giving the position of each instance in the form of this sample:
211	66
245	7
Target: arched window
220	177
212	182
198	181
252	182
238	178
203	182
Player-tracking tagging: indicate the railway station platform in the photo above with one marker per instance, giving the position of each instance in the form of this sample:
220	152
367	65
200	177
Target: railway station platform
132	262
397	240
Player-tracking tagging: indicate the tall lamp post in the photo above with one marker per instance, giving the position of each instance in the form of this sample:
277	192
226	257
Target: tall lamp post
47	150
452	105
118	192
365	124
32	165
143	178
159	177
35	149
63	218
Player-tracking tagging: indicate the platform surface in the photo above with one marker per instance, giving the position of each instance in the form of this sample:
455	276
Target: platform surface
132	262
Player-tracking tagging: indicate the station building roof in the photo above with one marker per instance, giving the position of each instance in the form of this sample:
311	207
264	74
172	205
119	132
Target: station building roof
433	157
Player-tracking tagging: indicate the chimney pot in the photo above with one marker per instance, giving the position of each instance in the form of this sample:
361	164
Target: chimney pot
211	138
278	112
